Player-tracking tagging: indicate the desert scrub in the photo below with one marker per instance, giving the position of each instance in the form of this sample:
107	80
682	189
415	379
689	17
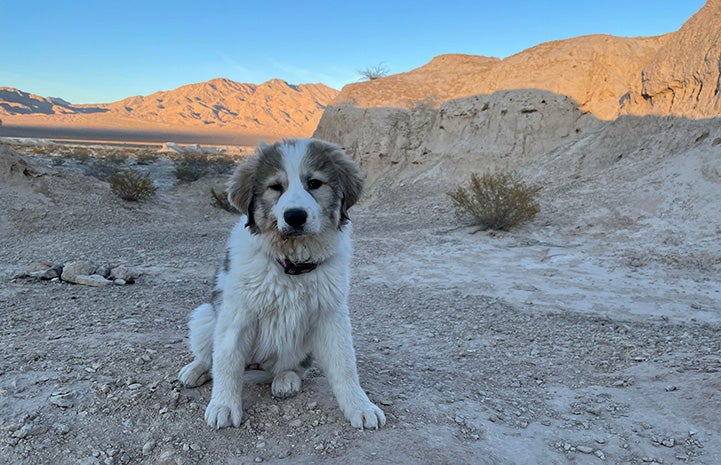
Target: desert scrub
193	167
496	201
220	200
131	185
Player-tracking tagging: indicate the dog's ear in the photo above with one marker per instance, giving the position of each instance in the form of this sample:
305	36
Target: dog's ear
241	190
351	181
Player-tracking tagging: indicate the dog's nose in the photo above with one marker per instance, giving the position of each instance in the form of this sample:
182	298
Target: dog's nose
295	217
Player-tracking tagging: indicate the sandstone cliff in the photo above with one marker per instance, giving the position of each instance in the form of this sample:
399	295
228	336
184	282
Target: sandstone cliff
462	113
684	76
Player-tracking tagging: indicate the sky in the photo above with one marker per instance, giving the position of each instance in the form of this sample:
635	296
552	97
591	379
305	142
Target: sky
101	51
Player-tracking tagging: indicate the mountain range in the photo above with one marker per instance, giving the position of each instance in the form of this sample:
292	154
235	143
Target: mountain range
273	108
678	73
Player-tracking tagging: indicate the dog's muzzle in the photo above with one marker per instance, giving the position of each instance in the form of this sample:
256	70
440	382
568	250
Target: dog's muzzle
295	219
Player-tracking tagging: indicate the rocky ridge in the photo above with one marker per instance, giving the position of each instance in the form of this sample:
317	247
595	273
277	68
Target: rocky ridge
271	108
486	114
678	73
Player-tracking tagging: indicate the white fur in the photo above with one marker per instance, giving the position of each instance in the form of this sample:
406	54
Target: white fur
273	319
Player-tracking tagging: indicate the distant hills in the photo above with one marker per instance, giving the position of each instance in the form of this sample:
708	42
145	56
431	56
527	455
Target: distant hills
606	76
272	109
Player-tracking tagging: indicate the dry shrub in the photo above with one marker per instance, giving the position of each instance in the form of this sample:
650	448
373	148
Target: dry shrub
132	186
192	167
220	200
496	201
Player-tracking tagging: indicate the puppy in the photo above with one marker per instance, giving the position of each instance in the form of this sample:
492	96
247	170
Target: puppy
281	295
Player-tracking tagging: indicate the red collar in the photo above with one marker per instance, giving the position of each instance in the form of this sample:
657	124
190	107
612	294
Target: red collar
296	268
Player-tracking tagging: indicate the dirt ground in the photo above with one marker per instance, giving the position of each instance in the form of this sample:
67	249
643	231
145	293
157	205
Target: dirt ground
544	345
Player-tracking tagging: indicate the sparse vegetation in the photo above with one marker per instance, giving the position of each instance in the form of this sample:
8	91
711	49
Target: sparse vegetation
132	186
103	168
496	201
220	200
371	73
193	167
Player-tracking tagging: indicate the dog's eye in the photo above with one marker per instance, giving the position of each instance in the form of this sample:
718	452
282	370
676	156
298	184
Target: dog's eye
276	187
314	184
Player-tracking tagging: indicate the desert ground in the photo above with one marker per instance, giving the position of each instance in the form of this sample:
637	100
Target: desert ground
587	336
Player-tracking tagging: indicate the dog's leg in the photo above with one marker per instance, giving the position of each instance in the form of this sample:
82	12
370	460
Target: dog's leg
229	358
202	326
333	347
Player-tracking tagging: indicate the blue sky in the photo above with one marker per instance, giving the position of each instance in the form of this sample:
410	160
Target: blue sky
102	51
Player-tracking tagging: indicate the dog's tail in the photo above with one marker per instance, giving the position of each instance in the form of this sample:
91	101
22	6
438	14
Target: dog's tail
257	377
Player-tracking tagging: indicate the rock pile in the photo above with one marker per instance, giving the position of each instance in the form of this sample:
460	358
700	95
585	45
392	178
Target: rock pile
80	272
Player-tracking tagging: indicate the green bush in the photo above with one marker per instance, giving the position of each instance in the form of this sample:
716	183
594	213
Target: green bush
131	185
496	201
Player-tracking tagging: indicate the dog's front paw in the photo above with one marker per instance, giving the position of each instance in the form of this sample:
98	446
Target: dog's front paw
219	415
194	374
367	415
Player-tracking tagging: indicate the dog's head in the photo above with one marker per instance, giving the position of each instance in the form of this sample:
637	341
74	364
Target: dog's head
296	188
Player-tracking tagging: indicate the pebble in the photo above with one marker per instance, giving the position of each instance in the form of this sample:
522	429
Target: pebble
312	405
297	423
63	399
167	456
148	447
28	430
61	428
584	449
134	386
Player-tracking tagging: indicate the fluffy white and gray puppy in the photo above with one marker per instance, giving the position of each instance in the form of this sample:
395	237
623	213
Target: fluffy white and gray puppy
281	295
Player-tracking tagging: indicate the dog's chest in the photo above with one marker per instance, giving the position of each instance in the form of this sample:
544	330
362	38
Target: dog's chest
287	308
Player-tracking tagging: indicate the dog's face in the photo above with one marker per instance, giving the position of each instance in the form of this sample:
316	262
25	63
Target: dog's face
296	188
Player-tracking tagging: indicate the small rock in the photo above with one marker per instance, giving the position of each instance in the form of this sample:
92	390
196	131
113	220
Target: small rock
600	455
584	449
148	447
297	423
312	405
91	280
134	386
61	428
124	273
669	442
72	269
48	273
63	399
103	270
167	457
386	402
119	282
28	430
671	388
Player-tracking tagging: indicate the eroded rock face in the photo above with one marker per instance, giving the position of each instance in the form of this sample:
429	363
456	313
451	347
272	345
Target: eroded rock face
684	77
467	134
